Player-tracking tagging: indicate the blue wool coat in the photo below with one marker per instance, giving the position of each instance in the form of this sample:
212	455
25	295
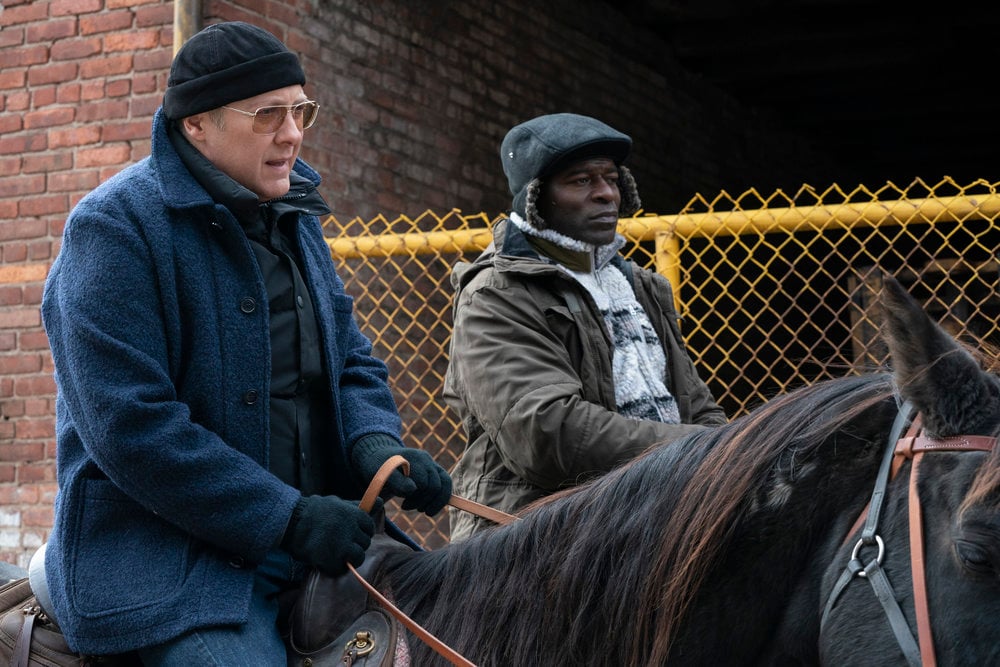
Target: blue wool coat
157	318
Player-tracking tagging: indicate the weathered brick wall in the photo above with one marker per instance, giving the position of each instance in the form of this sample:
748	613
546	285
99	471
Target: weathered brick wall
416	97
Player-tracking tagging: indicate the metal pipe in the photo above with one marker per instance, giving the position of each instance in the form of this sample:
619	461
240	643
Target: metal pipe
187	21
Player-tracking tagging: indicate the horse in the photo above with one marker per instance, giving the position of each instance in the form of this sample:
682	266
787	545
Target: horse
725	547
729	547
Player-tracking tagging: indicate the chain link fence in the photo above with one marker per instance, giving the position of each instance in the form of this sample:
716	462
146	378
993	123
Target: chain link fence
775	291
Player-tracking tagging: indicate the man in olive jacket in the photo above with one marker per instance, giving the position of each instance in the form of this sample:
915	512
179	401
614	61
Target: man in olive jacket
566	359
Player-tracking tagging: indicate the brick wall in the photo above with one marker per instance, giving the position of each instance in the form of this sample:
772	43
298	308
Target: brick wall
415	96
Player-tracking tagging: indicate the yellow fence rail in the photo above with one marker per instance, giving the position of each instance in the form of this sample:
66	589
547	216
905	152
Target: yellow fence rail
775	291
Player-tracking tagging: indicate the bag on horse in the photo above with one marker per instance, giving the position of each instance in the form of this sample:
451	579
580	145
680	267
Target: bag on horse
27	636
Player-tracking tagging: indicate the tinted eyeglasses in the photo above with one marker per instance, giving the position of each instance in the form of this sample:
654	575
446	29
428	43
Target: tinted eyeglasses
268	120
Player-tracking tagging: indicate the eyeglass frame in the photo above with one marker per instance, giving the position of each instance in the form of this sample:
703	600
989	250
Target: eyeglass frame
288	108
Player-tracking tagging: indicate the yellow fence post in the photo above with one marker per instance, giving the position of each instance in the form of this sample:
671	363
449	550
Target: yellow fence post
668	262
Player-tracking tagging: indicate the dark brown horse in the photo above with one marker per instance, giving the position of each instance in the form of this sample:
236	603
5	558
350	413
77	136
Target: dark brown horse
722	549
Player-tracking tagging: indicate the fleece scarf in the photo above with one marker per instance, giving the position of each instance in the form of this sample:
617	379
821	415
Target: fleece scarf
638	361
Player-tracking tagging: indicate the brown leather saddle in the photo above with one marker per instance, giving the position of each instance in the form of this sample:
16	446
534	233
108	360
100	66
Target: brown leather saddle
335	621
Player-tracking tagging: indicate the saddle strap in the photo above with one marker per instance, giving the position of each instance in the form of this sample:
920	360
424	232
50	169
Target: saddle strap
22	647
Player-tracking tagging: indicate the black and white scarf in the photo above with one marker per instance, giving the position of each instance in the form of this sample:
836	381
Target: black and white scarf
638	362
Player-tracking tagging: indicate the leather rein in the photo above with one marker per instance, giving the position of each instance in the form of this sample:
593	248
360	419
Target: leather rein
367	502
900	448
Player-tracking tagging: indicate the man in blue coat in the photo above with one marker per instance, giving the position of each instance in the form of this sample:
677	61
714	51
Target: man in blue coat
218	407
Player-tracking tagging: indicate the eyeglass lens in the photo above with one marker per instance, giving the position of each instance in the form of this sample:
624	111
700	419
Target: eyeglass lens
267	120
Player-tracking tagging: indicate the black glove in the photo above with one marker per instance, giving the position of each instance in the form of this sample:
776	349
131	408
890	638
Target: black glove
328	533
427	489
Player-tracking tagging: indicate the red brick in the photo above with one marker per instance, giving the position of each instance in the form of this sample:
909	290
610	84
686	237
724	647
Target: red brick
47	162
42	74
49	117
22	494
40	385
162	15
73	49
134	40
10	166
37	516
68	94
144	83
98	67
73	181
157	60
7	475
75	136
23	143
33	295
8	340
6	433
31	429
34	340
19	364
24	451
126	131
43	97
92	90
39	250
39	472
75	7
10	296
12	78
119	88
145	105
11	37
117	4
24	56
18	100
35	11
103	110
17	319
50	30
22	185
8	209
105	22
116	154
47	205
10	123
14	252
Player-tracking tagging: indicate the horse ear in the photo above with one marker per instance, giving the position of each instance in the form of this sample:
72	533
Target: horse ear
934	372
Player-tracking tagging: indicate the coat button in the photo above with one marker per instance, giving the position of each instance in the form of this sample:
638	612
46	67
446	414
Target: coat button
248	305
237	562
250	397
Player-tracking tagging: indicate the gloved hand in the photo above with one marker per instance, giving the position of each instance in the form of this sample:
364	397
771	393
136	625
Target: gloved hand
428	487
328	533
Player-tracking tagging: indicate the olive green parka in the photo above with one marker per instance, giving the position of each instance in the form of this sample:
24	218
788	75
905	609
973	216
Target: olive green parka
530	375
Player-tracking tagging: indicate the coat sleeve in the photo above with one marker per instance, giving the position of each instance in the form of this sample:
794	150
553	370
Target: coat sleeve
513	374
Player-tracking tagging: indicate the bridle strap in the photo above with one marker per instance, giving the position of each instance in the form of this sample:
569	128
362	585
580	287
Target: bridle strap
367	502
872	571
917	571
912	446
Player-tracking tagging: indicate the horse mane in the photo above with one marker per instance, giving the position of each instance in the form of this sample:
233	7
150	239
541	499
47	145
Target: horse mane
627	552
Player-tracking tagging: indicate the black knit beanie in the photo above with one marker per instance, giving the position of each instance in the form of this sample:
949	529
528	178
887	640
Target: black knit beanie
224	63
541	146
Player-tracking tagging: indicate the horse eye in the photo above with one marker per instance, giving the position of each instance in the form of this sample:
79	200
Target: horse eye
974	557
